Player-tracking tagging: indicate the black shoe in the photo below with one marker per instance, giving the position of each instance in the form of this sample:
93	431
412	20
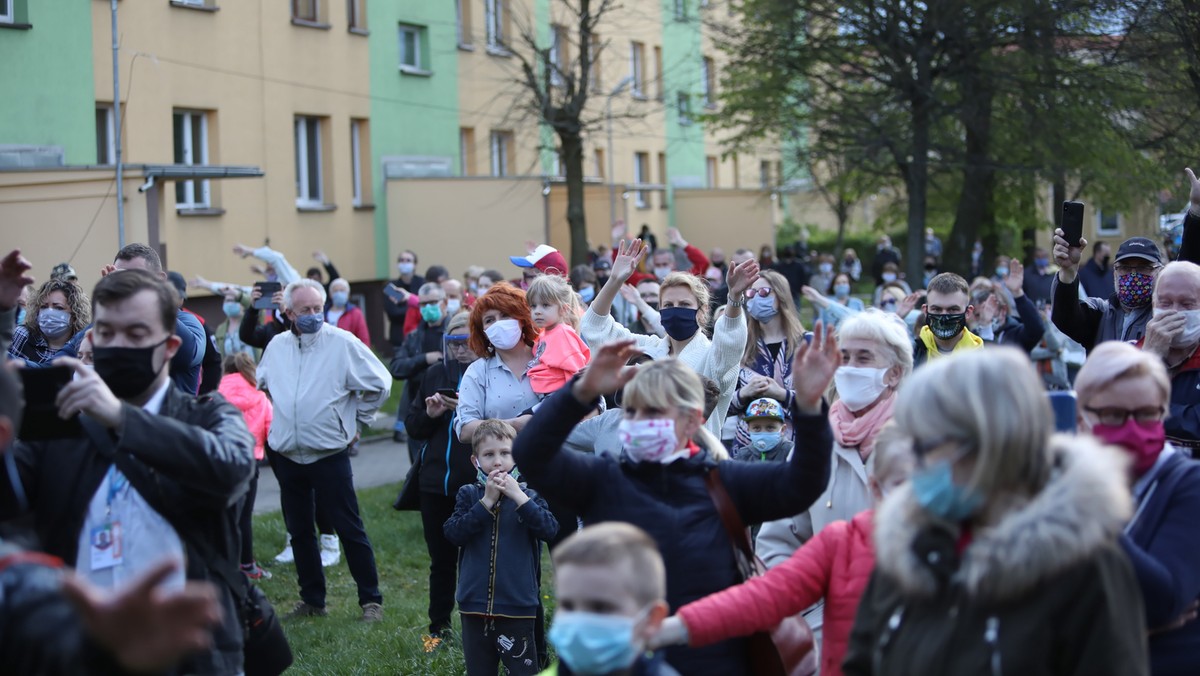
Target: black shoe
303	609
400	437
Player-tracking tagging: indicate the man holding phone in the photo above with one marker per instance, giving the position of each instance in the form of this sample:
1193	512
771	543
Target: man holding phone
422	348
155	475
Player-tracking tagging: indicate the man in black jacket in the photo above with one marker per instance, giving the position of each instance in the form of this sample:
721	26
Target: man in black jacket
421	349
159	473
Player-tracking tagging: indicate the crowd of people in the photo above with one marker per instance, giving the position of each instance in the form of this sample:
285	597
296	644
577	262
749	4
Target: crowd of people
903	467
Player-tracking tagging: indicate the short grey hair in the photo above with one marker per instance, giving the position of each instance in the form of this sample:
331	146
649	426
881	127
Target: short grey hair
431	288
340	281
885	329
1186	269
291	290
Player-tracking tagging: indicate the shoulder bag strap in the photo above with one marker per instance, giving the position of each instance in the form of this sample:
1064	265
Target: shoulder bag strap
735	528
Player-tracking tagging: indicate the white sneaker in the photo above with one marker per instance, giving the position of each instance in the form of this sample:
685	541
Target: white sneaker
286	556
331	550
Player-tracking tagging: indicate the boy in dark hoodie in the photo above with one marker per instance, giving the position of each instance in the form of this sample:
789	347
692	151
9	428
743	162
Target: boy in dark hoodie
764	420
499	524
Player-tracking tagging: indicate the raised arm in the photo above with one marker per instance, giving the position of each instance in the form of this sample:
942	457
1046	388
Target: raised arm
629	254
1189	248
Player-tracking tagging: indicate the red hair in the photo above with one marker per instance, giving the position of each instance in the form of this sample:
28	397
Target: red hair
509	301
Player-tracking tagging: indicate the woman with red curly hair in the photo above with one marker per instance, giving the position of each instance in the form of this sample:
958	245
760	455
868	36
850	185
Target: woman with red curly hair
496	385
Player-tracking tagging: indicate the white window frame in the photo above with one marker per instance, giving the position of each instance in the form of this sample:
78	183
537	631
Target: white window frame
1101	231
303	196
636	68
193	198
641	198
193	3
413	32
683	103
110	133
356	177
558	35
8	11
356	14
494	20
500	148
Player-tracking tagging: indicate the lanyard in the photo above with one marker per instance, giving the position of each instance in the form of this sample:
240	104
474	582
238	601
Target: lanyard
117	483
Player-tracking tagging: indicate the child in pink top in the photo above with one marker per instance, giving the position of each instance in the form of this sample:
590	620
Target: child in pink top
560	352
240	387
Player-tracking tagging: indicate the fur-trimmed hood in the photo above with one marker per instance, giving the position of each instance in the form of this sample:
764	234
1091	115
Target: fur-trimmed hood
1084	505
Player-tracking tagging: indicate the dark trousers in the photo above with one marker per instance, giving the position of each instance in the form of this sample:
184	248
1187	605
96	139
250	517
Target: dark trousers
488	641
332	480
246	521
436	510
324	525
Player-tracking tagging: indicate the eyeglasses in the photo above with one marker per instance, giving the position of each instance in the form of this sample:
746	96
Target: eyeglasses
1118	416
1139	269
762	292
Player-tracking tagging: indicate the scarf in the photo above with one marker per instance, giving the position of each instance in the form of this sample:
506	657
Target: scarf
860	432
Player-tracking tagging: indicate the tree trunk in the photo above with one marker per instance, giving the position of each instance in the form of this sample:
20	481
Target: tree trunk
917	176
976	210
843	216
572	152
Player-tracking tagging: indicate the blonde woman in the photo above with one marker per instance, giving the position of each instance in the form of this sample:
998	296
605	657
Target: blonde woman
1000	557
668	455
683	307
773	330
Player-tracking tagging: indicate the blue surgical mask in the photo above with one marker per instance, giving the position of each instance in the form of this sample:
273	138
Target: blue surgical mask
340	298
432	314
679	322
841	290
592	644
1042	262
1001	271
762	308
310	323
53	323
587	293
936	493
20	316
405	268
765	441
231	308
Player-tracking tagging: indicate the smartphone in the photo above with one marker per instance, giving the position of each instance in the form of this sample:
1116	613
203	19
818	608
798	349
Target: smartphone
40	421
1063	404
1072	222
269	289
448	392
392	292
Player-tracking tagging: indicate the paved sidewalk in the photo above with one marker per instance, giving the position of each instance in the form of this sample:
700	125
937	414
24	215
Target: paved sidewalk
378	463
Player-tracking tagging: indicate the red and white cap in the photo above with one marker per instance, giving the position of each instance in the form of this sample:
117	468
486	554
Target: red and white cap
545	258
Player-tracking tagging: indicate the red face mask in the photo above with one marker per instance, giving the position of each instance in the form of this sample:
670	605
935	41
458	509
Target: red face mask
1142	440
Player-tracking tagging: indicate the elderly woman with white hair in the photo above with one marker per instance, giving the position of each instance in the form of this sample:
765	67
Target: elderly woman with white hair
1123	396
1000	556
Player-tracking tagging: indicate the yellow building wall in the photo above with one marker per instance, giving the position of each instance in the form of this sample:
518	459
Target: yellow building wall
252	71
730	219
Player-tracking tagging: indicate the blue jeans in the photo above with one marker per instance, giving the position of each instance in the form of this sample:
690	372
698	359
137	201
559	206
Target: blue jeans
332	480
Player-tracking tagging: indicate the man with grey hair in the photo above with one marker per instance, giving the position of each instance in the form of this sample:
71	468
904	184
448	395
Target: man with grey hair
1174	335
423	347
322	381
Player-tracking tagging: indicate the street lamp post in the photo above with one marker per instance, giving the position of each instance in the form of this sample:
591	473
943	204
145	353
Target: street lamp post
612	186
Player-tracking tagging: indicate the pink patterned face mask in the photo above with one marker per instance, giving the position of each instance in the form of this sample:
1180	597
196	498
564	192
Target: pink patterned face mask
1135	289
648	440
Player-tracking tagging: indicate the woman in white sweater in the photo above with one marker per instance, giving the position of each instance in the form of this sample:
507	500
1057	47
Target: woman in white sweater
683	306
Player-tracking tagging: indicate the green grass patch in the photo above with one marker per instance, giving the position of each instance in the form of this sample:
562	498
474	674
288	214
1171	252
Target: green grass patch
339	644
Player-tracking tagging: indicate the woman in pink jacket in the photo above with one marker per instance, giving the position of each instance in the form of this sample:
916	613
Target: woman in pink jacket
834	565
240	386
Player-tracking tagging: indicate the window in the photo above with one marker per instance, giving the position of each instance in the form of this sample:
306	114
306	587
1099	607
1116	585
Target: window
764	174
306	10
594	47
681	8
662	178
641	175
711	171
192	3
412	49
466	151
463	25
191	148
356	15
106	134
1108	222
708	81
637	68
658	74
600	171
360	164
6	11
559	59
497	23
308	161
502	153
684	103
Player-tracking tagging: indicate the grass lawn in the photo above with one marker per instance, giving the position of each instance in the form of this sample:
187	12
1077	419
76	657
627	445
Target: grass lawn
339	644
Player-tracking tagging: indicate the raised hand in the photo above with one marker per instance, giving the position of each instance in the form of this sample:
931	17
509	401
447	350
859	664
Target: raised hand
1015	280
675	238
242	250
741	276
14	277
1194	196
629	254
1067	256
813	367
907	304
320	257
607	371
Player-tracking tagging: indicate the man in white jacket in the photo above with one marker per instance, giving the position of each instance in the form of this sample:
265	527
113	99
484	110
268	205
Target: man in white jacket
322	381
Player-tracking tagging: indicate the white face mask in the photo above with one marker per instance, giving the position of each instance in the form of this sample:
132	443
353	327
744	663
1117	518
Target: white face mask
504	334
405	268
859	387
888	277
453	305
1190	334
661	272
649	440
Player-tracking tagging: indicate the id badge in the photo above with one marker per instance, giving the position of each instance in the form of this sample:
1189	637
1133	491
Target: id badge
106	546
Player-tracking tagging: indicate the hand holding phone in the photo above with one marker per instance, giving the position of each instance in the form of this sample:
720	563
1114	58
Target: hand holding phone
448	392
266	292
1072	223
40	420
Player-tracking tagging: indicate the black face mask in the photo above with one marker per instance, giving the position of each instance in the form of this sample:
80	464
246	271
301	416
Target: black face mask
1104	262
947	326
128	371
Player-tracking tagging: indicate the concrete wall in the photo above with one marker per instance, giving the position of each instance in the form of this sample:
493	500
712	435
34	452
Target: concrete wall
47	82
730	219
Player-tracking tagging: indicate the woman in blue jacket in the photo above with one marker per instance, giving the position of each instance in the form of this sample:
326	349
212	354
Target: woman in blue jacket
1123	396
658	483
